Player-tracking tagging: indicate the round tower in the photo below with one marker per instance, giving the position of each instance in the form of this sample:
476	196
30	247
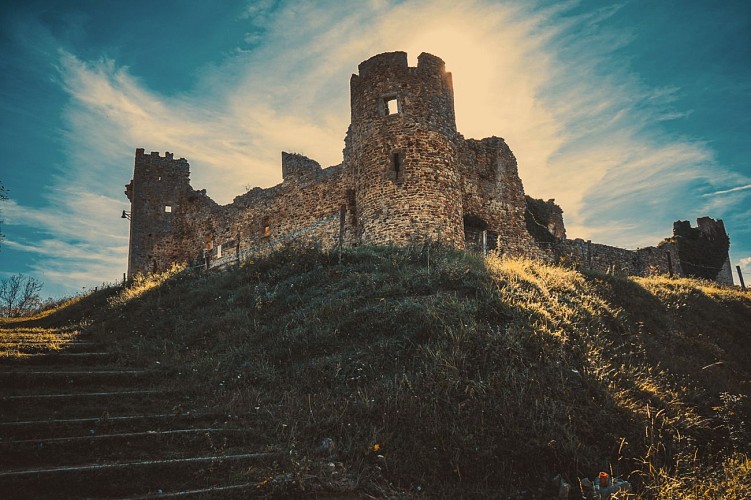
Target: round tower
401	149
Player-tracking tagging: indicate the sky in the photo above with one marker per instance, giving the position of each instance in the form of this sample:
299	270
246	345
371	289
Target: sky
632	114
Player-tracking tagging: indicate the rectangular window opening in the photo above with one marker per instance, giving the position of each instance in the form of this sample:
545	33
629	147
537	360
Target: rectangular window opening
168	209
266	224
396	164
392	106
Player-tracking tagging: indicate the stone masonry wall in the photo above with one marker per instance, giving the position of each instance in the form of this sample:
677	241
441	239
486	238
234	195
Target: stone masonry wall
648	261
402	154
160	194
493	196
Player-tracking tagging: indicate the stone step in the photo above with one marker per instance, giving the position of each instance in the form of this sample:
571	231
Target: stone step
241	490
28	347
131	478
100	424
9	336
125	446
23	378
62	403
57	358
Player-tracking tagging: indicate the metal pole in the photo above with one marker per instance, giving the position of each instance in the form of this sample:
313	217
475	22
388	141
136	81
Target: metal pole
740	277
237	249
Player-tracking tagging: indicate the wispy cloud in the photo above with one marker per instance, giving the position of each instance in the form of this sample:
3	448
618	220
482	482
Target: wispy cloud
731	190
584	129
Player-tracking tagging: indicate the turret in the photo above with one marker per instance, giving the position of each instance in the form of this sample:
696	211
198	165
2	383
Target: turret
158	183
401	151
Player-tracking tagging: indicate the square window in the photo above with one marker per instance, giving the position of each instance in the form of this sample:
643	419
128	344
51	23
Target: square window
392	105
168	209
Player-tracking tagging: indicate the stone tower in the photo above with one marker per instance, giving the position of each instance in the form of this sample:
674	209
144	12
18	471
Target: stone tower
401	150
157	186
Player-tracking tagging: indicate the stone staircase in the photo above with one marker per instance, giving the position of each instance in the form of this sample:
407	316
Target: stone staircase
76	423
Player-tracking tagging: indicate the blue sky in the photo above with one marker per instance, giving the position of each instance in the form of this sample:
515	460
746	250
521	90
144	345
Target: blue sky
631	114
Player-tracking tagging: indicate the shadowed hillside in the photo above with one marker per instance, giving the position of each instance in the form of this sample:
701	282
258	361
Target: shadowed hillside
434	372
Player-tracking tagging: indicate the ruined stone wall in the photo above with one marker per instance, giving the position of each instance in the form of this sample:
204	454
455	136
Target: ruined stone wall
302	210
407	177
700	252
261	219
544	220
493	198
585	255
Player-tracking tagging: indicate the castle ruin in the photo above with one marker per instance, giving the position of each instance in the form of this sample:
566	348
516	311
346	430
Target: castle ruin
407	177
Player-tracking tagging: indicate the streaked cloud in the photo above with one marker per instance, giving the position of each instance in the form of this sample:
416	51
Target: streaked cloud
585	129
731	190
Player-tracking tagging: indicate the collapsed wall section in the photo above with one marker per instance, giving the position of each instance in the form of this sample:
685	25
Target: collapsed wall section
493	199
544	220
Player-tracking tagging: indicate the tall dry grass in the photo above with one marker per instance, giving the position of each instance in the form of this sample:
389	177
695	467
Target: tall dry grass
436	372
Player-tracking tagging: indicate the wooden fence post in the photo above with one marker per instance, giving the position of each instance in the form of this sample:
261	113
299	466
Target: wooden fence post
740	277
342	215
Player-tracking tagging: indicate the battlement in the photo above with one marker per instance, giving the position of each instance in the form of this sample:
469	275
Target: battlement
396	62
429	62
706	227
155	157
391	61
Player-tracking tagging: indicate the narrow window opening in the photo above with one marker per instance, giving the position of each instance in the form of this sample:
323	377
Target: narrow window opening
219	251
396	165
391	106
266	224
168	209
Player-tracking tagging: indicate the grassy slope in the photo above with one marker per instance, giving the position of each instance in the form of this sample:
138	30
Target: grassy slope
435	371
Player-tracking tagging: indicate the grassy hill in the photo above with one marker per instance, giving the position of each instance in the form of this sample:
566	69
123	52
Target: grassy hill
427	371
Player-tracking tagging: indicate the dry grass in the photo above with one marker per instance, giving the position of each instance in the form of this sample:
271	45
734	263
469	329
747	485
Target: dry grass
21	342
437	372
